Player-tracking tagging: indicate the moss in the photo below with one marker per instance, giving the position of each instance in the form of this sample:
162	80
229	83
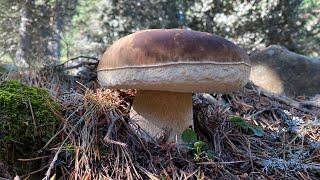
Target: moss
27	120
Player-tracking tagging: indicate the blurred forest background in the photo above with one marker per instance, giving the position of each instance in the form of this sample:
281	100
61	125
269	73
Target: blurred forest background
34	33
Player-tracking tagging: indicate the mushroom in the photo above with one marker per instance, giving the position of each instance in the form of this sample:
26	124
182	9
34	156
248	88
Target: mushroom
166	66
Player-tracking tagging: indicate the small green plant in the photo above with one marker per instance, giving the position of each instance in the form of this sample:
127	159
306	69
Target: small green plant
198	147
69	148
238	121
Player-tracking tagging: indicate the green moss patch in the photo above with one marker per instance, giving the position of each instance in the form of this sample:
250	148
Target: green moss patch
27	120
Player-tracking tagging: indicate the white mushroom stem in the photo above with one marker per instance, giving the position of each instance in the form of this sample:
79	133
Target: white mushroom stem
159	111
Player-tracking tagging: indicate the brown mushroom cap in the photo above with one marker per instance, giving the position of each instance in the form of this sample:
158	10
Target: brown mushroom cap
174	60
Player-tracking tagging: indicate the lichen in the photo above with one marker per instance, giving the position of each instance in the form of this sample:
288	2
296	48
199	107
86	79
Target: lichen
294	162
27	120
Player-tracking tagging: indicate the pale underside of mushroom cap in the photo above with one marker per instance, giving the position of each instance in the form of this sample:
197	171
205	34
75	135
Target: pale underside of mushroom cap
178	77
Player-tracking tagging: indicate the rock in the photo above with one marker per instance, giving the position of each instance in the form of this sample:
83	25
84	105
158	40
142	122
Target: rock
281	71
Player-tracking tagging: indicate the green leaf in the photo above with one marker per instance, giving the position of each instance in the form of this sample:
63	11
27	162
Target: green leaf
202	146
189	136
239	122
258	131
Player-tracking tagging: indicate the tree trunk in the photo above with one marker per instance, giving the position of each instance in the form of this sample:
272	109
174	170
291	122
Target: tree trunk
62	13
23	54
53	46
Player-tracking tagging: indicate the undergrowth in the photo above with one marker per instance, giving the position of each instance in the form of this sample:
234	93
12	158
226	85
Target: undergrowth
97	139
27	122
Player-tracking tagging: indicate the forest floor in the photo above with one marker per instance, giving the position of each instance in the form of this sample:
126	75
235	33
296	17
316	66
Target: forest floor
274	137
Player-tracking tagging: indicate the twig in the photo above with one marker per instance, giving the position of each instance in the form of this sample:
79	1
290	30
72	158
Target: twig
250	154
78	57
148	173
33	119
34	172
85	88
54	161
80	65
231	162
54	136
57	153
287	101
33	159
106	137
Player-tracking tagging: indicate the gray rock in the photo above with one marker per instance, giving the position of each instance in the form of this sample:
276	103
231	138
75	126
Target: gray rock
281	71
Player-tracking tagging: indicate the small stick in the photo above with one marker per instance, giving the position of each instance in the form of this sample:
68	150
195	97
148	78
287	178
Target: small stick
250	154
34	172
231	162
33	119
33	159
285	100
106	137
57	153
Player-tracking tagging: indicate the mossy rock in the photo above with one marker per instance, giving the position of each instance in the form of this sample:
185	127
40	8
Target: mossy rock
27	122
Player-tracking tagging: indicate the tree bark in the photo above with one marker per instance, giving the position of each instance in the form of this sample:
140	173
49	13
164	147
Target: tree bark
23	54
53	46
62	13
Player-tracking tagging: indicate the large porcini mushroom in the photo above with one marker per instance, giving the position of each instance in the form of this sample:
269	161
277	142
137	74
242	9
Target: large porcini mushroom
166	66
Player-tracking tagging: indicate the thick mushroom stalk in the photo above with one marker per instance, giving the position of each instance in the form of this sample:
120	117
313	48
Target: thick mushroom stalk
159	112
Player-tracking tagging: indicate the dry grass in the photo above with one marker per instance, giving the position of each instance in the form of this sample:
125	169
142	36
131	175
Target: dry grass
97	140
100	141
